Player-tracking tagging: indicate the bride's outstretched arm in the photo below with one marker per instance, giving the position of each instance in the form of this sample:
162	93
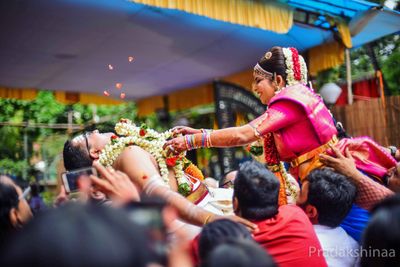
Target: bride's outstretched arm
228	137
280	116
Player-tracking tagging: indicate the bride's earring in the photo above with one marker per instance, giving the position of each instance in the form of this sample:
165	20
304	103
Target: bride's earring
277	88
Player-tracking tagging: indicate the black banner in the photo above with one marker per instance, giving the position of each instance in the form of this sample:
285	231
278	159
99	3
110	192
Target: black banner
230	99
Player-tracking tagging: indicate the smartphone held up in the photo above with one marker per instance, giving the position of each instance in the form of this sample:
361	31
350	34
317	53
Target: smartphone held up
77	179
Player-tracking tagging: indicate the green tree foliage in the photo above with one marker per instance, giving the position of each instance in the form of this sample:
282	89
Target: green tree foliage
387	51
12	167
11	143
46	110
389	58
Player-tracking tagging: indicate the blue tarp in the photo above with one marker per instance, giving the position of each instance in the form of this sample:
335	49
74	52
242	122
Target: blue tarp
67	44
367	21
343	8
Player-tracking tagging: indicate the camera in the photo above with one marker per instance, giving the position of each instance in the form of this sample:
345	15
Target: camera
149	215
71	179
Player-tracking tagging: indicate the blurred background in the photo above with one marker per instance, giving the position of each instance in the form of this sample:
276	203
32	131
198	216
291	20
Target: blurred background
73	65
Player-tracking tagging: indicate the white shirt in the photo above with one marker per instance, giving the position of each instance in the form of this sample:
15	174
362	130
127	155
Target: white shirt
339	248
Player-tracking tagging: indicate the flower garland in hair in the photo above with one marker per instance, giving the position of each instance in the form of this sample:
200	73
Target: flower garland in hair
303	69
296	69
151	141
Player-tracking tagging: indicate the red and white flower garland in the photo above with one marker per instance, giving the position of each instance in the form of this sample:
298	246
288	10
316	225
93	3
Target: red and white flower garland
296	69
148	139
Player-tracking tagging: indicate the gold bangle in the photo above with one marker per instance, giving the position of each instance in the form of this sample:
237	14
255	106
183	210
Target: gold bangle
207	219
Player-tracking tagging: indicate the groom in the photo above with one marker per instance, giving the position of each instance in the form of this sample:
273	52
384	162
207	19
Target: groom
142	169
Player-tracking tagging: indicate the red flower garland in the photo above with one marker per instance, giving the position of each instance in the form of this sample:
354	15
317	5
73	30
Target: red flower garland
142	132
270	151
172	161
296	64
114	138
272	159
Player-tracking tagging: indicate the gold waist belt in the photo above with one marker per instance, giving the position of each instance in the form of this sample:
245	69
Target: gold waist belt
309	155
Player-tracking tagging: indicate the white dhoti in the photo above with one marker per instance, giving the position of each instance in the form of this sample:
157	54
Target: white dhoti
215	200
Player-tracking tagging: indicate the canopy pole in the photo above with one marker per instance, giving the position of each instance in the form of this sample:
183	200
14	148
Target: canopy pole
25	170
348	74
375	64
381	87
70	121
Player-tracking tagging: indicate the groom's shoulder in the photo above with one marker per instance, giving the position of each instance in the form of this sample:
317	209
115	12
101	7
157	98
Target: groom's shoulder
133	152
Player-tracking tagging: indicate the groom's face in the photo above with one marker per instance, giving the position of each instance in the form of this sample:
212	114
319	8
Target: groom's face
98	140
93	141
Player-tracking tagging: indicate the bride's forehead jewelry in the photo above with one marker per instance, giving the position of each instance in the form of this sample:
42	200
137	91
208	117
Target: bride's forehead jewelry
258	70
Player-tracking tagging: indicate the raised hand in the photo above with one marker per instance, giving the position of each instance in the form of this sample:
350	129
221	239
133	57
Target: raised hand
184	130
61	198
342	164
176	145
115	184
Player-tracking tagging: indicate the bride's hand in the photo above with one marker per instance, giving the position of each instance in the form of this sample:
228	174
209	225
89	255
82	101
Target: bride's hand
184	130
176	145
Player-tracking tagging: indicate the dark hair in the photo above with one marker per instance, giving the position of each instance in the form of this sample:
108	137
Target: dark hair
75	156
218	232
341	131
256	190
8	200
77	235
239	253
35	189
383	234
276	63
332	194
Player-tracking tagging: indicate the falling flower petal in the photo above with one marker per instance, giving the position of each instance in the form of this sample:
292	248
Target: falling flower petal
122	95
130	59
118	85
110	67
106	93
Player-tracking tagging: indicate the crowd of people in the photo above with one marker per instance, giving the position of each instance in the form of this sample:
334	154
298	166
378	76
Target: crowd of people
318	198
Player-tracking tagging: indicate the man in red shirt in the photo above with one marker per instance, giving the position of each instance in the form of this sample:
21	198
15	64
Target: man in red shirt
285	232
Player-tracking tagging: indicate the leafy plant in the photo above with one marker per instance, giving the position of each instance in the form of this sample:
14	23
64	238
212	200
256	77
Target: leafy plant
46	110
